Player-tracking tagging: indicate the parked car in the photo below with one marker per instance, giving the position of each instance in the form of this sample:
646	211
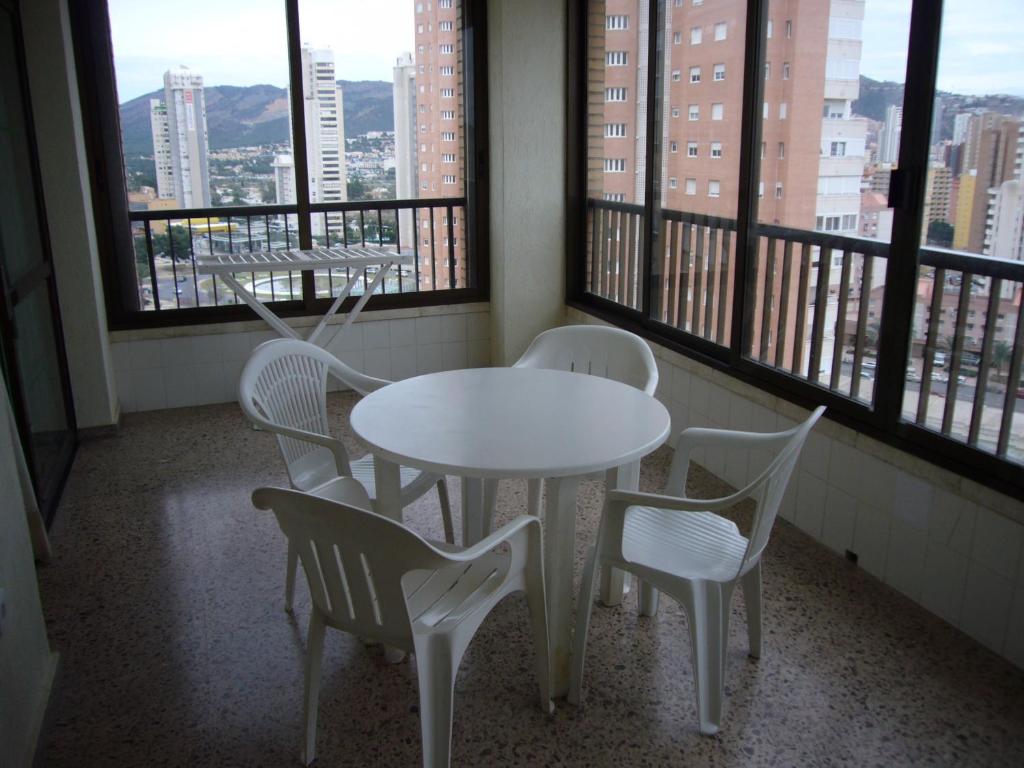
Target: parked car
912	374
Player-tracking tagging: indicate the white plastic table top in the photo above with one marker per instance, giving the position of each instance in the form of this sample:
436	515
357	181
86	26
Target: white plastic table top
510	422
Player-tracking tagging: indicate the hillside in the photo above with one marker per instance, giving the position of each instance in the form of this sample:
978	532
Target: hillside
258	114
877	95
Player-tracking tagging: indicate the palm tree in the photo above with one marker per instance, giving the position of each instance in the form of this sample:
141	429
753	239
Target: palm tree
1001	353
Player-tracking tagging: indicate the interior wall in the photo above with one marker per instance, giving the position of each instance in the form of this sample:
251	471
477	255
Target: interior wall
526	89
61	147
948	543
26	663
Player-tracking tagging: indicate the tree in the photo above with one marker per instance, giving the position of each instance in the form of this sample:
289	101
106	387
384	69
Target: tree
1001	353
940	233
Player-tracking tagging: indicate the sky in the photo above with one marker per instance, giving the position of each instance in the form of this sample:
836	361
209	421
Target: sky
242	42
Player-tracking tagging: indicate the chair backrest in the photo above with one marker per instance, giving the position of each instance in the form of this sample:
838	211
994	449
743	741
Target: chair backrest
599	350
769	487
354	559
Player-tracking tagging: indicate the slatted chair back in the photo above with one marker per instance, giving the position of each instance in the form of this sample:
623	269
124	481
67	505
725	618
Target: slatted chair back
610	353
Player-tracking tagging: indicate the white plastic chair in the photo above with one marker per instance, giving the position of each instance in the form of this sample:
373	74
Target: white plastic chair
681	547
376	579
598	350
283	389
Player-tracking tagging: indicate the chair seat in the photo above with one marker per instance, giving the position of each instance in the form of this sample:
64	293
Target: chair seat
690	545
450	594
414	482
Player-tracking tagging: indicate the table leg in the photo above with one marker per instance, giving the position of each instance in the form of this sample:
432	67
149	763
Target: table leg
472	510
259	307
559	546
388	482
613	581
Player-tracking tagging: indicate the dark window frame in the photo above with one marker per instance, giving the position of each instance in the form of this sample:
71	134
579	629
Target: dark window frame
883	419
101	126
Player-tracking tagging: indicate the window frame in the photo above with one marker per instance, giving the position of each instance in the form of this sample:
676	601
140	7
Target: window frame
882	420
93	51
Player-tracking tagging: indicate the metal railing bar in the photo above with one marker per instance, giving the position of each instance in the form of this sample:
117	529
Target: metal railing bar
433	252
684	276
787	276
839	344
826	240
709	283
866	268
820	310
987	341
698	281
766	299
801	309
931	337
671	310
958	349
1012	384
451	247
961	261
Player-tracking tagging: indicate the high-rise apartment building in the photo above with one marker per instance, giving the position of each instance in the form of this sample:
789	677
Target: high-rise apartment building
938	196
440	144
889	138
323	105
185	105
990	156
406	176
161	150
284	179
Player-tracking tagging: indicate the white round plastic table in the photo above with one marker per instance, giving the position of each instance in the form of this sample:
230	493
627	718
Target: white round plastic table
488	423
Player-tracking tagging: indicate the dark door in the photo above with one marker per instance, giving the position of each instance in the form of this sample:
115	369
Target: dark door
31	345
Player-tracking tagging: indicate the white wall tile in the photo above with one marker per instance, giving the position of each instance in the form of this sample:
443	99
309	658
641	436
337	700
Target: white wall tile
951	521
788	507
877	482
763	420
210	384
235	346
146	354
904	567
428	330
680	420
714	461
350	338
700	395
148	389
403	362
997	543
453	327
376	335
736	467
681	385
479	351
844	468
815	456
207	349
741	413
911	500
402	333
840	520
125	390
945	576
871	539
478	326
454	355
377	362
810	504
429	358
986	610
180	386
120	354
258	337
718	406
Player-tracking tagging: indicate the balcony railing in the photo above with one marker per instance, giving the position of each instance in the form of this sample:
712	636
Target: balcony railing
813	312
168	241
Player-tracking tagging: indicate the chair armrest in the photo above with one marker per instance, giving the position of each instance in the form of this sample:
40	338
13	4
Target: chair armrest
624	499
325	441
504	534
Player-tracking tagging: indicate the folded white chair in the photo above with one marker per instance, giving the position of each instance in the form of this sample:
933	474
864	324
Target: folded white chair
684	549
283	389
376	579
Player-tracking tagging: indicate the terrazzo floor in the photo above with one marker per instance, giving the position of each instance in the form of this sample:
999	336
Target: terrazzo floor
165	596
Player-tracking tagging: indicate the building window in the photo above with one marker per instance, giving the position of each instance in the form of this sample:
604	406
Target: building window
768	33
447	136
720	30
614	165
676	76
767	70
446	71
760	189
695	35
716	149
694	112
447	114
444	3
675	111
691	186
672	183
785	70
717	111
614	130
691	149
673	146
447	93
782	150
677	38
614	94
448	180
714	188
837	149
764	110
445	49
694	74
616	58
615	197
616	22
778	190
445	26
764	146
447	158
783	110
719	72
789	28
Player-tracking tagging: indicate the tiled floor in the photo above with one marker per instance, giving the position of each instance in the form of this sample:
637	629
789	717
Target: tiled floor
165	602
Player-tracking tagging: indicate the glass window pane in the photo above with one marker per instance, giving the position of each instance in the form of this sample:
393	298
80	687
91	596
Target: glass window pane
833	96
963	369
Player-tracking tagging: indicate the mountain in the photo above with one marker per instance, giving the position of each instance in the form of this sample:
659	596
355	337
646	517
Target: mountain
243	116
877	95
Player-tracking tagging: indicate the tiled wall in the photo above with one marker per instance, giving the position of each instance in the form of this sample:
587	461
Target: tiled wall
163	369
944	541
